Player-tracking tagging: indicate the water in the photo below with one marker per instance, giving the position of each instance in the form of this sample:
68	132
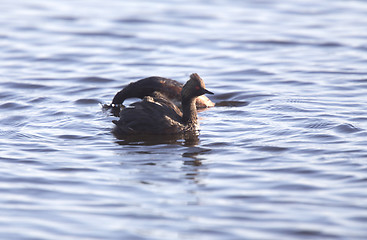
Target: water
284	158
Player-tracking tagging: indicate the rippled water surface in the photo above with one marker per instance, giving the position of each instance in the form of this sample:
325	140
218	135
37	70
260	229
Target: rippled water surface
282	156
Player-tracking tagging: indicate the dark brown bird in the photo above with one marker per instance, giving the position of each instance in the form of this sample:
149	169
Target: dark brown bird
147	86
158	115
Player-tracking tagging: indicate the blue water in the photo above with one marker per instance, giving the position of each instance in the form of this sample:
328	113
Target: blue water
284	158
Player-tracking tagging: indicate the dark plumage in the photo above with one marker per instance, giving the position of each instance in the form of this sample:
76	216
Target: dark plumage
147	86
157	114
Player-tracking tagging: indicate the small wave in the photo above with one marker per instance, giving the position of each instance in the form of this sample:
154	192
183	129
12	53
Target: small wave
17	85
87	101
247	72
134	20
104	34
319	124
347	128
296	187
296	83
72	169
288	108
74	137
40	100
96	80
295	43
323	137
13	106
335	72
271	148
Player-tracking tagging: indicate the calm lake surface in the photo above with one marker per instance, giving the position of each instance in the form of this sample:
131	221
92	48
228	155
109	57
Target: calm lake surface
282	156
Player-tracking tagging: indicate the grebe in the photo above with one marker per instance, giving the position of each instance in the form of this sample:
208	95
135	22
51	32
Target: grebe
147	86
158	115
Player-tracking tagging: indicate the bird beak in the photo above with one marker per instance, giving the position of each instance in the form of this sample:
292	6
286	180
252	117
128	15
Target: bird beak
207	91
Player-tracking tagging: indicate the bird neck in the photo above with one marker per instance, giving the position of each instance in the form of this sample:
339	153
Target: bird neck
189	114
